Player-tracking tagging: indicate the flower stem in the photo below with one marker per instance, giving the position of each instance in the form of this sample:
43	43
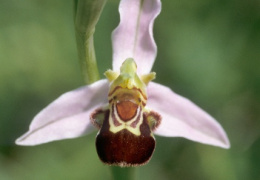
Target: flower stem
86	16
87	58
126	173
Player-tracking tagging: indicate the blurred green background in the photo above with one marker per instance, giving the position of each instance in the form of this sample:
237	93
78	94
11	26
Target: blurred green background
208	51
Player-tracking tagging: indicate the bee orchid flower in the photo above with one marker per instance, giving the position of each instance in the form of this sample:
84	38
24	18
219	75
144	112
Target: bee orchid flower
126	108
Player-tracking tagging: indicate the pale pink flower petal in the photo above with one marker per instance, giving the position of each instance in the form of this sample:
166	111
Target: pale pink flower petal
182	118
68	116
134	35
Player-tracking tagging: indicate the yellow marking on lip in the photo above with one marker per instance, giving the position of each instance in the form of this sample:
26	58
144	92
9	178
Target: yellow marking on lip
126	125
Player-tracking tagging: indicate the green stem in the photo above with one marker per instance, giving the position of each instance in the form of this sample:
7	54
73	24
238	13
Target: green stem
126	173
87	58
86	16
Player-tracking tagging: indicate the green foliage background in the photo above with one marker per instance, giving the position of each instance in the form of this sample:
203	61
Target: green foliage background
208	51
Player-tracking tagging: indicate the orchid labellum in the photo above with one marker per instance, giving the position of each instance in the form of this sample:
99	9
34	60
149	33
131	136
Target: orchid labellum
126	125
126	107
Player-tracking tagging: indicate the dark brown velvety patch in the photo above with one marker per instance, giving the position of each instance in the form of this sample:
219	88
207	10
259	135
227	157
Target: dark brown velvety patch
124	148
